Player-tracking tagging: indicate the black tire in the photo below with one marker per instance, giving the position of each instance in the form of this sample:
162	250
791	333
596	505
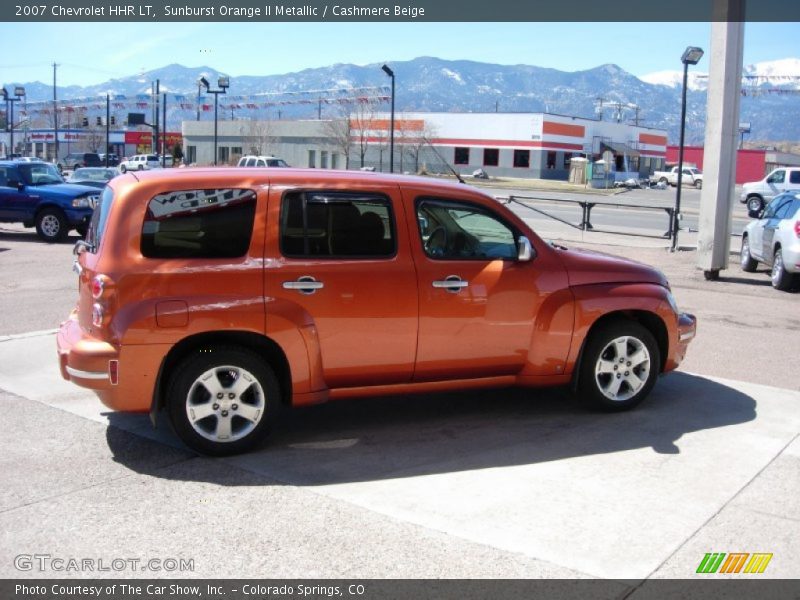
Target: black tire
755	203
140	168
221	368
781	279
123	169
663	180
602	366
746	260
698	183
82	229
51	225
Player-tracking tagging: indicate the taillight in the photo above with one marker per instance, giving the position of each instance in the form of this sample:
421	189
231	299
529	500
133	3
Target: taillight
797	228
98	314
102	288
98	286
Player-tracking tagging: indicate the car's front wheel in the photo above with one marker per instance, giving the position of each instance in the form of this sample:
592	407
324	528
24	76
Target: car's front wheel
755	203
222	400
698	183
746	260
619	366
781	278
51	225
123	168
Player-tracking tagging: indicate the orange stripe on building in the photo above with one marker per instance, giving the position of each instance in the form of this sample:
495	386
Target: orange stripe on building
652	140
399	125
551	128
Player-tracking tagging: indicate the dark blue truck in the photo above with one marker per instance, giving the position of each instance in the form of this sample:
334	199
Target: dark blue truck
34	194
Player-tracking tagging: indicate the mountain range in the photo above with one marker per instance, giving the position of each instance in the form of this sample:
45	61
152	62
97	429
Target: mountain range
771	97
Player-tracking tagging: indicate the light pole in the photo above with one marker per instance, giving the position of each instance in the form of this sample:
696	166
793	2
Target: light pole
691	56
223	84
390	73
19	92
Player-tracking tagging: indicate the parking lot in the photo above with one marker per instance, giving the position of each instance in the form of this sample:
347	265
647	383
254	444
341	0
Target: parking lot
506	484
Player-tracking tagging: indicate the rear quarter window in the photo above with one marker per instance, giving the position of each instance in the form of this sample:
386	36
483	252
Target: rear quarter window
215	223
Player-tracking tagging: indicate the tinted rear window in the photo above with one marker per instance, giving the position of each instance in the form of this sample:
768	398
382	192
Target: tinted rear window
794	177
199	224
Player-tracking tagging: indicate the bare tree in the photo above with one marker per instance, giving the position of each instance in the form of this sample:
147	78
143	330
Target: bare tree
417	141
340	130
258	137
362	123
94	138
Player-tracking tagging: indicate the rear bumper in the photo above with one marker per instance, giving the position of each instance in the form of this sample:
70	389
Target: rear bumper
98	365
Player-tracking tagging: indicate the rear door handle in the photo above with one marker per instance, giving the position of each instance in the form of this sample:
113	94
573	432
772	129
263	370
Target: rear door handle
451	283
305	285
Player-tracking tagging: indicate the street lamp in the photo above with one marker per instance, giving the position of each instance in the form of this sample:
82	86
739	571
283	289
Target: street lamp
223	83
390	73
19	92
691	56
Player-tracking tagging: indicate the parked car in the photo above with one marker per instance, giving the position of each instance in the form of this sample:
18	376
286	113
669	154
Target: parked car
756	194
261	161
34	194
81	159
690	175
93	176
221	294
140	162
774	239
113	160
29	159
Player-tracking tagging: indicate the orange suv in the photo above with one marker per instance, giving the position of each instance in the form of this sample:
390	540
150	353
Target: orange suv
221	295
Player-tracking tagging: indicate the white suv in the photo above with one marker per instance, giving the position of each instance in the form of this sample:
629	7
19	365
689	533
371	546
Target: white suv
261	161
140	162
756	194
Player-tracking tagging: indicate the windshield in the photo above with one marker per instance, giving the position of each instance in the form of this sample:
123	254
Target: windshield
40	173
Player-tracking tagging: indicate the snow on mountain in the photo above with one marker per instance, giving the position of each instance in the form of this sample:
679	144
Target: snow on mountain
674	79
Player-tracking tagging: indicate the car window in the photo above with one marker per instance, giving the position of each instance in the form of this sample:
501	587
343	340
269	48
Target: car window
782	212
337	225
775	205
451	230
215	223
40	173
152	158
794	176
777	177
260	163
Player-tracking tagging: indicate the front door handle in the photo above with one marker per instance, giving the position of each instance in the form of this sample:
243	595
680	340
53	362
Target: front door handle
451	283
305	285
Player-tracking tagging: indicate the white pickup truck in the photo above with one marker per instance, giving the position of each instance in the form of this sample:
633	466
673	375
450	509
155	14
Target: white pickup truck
691	175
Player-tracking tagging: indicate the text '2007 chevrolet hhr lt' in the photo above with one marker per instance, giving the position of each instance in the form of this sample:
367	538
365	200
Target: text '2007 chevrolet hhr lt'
221	295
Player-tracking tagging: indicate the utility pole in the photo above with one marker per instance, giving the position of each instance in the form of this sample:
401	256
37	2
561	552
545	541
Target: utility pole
158	91
599	109
164	133
637	110
55	112
108	124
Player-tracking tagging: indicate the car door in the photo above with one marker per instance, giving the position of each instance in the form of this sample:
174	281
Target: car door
477	301
8	191
17	201
776	182
344	269
777	210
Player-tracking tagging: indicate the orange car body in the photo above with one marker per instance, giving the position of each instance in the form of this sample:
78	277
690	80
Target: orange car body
379	325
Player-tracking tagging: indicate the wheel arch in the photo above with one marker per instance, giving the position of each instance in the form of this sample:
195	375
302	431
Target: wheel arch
649	320
261	345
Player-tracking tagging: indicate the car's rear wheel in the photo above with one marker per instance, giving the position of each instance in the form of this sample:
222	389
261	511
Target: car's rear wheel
619	366
123	168
140	168
221	401
781	278
51	225
663	180
755	203
698	183
747	261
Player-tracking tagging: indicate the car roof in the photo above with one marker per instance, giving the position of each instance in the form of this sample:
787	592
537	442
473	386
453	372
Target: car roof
192	178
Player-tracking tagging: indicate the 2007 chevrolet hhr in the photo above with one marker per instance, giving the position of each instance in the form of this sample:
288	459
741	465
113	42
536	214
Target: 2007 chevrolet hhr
222	294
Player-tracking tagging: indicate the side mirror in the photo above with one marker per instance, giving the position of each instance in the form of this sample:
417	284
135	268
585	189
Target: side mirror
524	249
755	214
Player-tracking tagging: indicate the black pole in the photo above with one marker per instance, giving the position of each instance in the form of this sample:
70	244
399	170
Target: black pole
198	100
11	122
158	91
164	133
679	186
216	98
391	132
55	113
108	124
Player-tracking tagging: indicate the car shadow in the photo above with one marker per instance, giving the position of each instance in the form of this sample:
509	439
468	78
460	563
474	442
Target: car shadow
30	235
385	438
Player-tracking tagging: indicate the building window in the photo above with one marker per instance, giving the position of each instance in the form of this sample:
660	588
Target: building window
236	151
323	159
491	157
312	159
522	159
568	156
191	155
461	156
551	160
334	160
224	154
633	163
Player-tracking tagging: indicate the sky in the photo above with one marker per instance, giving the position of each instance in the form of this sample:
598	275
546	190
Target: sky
92	53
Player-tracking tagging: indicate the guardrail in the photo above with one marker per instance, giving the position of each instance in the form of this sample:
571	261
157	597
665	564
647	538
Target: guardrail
586	207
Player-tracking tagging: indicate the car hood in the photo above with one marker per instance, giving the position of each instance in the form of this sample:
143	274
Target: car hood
586	267
69	190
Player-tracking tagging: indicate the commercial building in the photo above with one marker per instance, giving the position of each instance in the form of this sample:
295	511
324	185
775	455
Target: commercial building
535	145
41	142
